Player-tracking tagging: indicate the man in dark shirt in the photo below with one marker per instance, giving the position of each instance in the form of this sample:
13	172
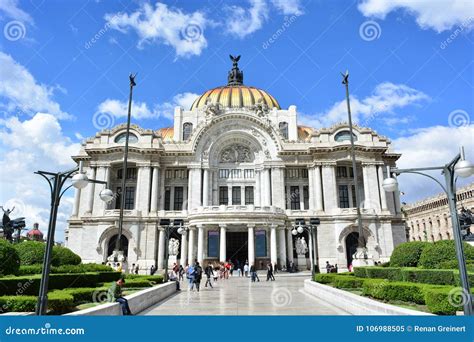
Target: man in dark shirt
115	292
209	273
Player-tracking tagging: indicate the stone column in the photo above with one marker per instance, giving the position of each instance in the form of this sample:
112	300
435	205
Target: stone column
184	249
185	197
278	187
172	198
372	185
229	195
155	186
383	196
90	199
311	247
366	187
242	195
312	198
161	249
329	187
222	243
266	187
143	188
273	245
300	190
161	194
290	244
205	188
99	205
200	249
215	190
194	187
318	189
77	198
282	246
191	245
251	244
258	201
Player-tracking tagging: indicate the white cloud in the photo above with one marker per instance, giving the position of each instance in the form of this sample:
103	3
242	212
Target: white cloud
11	10
19	91
430	146
288	7
241	22
26	146
439	15
385	98
140	110
163	24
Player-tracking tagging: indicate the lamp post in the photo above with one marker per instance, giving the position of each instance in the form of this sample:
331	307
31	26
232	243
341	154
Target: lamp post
463	168
118	244
299	228
168	226
361	246
56	182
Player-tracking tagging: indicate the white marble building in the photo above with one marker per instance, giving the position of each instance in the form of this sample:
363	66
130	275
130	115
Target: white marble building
238	169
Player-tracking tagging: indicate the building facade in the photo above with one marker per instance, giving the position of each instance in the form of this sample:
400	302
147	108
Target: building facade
430	219
238	170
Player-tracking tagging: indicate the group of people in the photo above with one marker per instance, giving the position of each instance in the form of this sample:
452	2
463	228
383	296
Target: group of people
331	268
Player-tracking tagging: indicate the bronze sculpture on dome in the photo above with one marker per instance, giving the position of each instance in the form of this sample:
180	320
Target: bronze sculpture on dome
236	76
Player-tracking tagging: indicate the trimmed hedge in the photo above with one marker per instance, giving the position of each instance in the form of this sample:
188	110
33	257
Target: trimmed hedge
453	265
438	277
153	278
64	256
30	252
134	283
391	273
348	282
437	302
10	260
386	290
82	268
58	303
443	251
407	254
325	278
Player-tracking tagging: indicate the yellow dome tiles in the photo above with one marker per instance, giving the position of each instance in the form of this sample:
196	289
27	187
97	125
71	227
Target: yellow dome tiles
236	96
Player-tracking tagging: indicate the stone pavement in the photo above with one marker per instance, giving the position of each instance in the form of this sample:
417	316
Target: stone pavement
239	296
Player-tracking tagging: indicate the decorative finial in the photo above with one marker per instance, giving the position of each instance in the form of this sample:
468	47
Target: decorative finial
236	76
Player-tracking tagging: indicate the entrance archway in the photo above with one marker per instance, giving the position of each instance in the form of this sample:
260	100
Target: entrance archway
237	247
113	241
351	246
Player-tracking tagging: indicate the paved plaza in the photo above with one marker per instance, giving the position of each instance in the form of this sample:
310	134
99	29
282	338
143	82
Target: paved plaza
239	296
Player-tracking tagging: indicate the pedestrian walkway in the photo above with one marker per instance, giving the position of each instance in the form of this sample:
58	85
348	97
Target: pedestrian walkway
239	296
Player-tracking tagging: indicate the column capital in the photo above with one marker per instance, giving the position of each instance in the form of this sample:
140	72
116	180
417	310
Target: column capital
251	225
222	225
369	164
328	164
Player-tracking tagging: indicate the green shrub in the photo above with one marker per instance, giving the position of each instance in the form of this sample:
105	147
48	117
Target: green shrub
134	283
158	279
106	277
390	273
325	278
30	269
442	251
64	256
85	294
386	290
439	277
348	282
360	272
437	302
82	268
58	303
10	261
453	265
30	252
407	254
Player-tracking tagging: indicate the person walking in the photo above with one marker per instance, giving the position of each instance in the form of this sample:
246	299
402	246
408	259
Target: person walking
209	274
180	273
132	269
190	273
246	269
152	270
253	274
197	275
270	272
137	268
115	292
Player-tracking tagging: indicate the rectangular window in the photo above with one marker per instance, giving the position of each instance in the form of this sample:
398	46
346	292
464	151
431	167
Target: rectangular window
129	198
169	174
213	244
178	198
354	201
249	195
260	244
351	172
180	174
306	197
236	198
167	198
235	173
295	197
304	173
341	172
131	173
223	195
343	196
224	173
249	173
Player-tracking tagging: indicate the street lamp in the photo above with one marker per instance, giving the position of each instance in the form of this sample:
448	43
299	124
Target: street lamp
169	226
299	228
463	168
56	182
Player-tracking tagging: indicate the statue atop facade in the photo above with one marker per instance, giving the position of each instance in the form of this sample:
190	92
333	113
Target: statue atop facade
301	246
9	225
235	76
173	246
211	109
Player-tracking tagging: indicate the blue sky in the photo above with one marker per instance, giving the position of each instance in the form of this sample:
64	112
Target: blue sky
64	67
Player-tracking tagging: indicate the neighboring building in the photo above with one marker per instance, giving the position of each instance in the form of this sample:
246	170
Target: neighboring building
35	234
430	220
238	169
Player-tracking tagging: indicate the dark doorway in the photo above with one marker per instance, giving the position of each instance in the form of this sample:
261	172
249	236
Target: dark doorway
351	246
236	246
113	241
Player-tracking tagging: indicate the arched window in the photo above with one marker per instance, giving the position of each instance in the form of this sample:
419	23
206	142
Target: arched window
120	139
187	129
284	129
344	136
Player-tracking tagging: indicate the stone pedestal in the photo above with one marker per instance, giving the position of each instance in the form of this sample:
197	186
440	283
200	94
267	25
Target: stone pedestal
362	258
171	260
301	262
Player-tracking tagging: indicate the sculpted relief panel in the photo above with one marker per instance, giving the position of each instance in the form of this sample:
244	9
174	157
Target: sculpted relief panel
236	153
